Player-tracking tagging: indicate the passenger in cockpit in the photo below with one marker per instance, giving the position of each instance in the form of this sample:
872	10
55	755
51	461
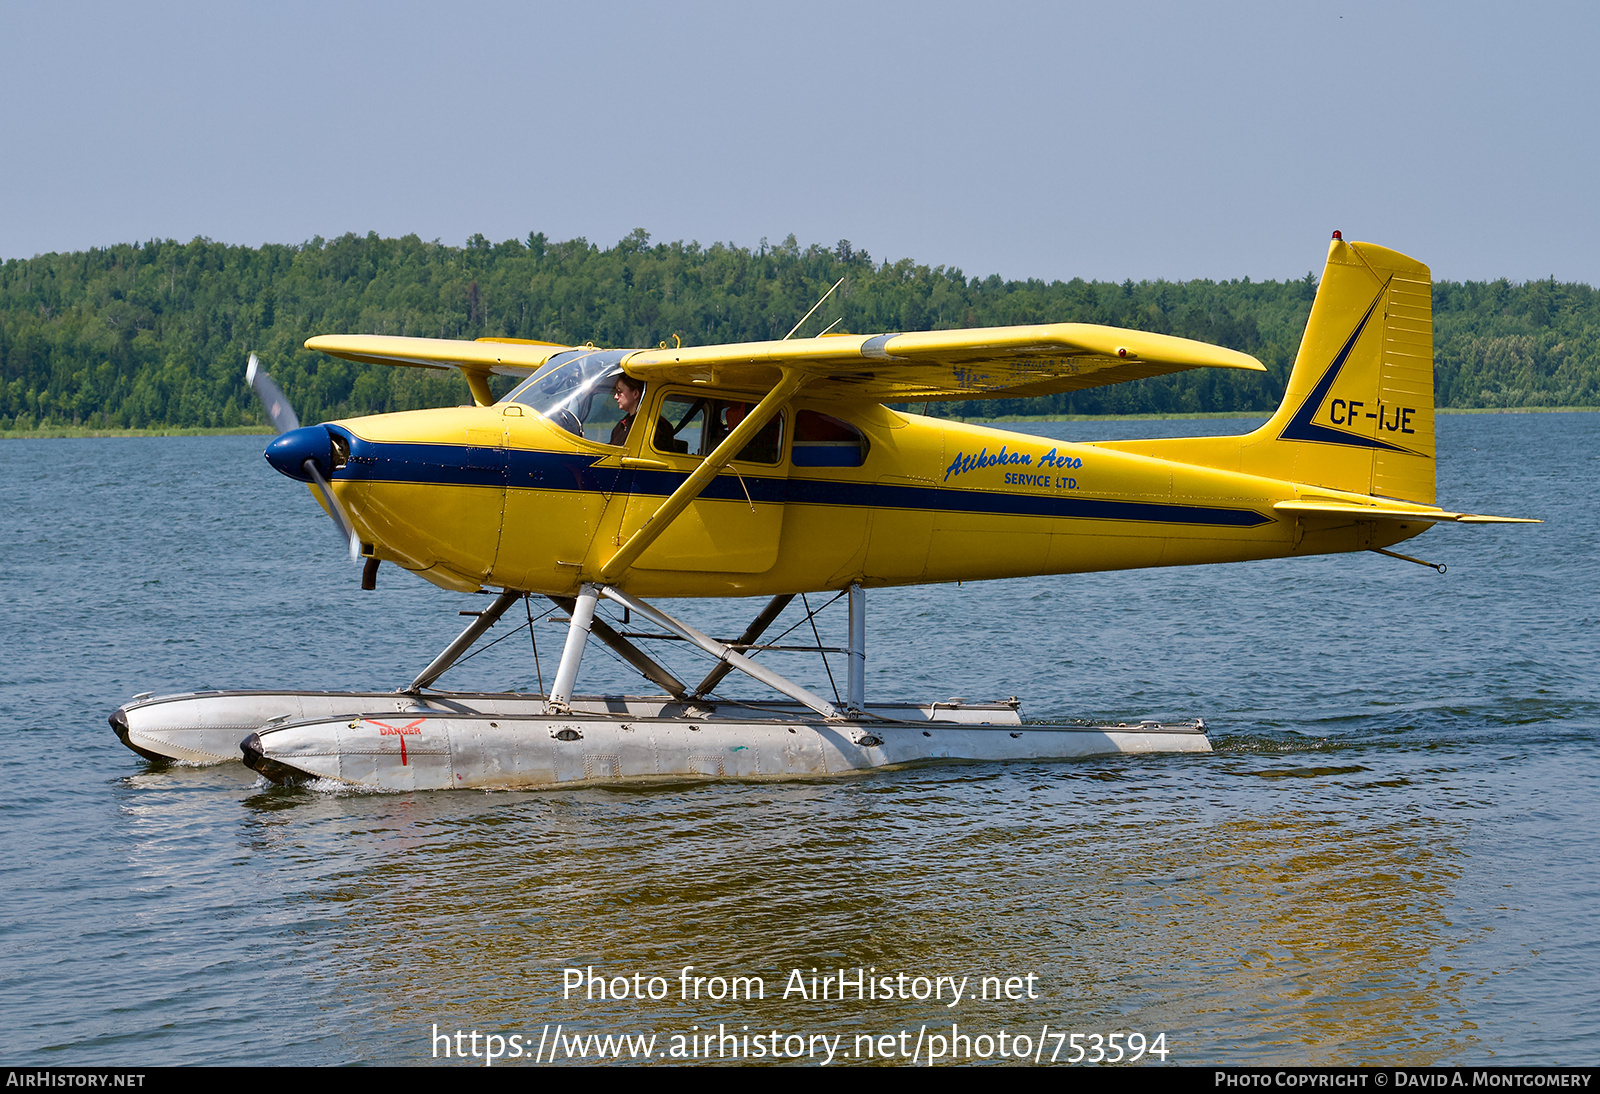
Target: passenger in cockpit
763	447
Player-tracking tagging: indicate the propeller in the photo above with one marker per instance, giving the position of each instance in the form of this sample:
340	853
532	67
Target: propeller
297	450
279	412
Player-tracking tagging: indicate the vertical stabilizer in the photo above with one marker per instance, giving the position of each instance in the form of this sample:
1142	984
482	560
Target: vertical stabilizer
1358	411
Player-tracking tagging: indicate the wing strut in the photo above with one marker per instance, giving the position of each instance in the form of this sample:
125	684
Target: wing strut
743	433
479	383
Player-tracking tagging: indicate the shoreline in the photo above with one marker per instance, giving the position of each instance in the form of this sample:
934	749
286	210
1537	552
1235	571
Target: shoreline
75	432
69	432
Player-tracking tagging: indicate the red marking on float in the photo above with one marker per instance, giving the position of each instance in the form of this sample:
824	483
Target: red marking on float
386	730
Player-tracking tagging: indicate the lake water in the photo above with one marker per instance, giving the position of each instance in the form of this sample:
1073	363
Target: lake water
1389	858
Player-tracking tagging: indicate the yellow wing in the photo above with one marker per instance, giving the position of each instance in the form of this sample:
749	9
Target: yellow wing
981	363
475	360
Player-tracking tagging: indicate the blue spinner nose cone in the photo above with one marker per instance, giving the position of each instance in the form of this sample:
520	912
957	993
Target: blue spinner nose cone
290	452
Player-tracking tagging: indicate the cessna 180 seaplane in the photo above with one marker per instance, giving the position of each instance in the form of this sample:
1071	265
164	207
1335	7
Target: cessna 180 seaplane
773	469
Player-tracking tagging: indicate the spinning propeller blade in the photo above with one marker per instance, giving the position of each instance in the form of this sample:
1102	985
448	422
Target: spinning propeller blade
336	511
279	412
286	422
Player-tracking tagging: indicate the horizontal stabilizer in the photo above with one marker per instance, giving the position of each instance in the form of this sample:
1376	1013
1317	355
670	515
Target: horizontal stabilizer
1392	512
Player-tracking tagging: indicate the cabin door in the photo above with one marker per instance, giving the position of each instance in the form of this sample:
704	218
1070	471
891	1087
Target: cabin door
735	524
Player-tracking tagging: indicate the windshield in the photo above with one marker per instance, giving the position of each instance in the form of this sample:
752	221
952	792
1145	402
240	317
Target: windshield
574	391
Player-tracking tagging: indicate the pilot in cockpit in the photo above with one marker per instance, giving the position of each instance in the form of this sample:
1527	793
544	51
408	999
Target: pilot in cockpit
629	393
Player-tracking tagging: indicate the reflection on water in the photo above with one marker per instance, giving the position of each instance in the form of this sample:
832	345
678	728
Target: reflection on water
1261	929
1385	860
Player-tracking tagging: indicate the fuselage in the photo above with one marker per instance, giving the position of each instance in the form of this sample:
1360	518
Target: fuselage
838	492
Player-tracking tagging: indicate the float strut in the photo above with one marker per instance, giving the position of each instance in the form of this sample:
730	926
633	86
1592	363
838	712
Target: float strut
643	663
723	653
755	630
572	652
486	619
857	689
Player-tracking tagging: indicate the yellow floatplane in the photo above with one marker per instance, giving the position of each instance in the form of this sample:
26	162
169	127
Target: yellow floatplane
774	469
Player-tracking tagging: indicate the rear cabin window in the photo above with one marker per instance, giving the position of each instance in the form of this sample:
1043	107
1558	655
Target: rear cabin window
821	440
694	427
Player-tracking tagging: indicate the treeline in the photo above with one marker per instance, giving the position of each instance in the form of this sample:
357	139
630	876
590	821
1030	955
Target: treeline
156	334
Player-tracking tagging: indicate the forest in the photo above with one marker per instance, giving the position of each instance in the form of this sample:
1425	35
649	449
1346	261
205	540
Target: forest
155	335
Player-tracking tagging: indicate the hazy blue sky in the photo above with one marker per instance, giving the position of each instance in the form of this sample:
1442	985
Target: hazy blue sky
1104	140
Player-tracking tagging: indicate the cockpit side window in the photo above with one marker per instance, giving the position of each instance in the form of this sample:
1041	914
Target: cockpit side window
682	428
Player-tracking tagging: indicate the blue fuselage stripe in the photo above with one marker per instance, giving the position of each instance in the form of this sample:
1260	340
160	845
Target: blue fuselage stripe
461	465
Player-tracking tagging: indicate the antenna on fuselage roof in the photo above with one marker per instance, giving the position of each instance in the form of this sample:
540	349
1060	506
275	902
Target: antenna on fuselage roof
812	312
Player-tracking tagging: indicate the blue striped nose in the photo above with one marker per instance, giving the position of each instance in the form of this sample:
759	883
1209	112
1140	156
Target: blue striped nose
290	452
